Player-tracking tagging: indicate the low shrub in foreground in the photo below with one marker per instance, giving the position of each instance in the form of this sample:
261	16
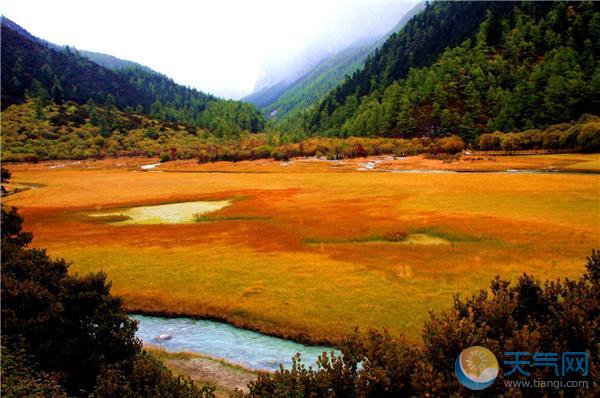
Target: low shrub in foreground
146	376
556	316
20	379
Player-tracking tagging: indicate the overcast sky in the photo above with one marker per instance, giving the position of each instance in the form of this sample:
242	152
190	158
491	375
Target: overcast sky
217	46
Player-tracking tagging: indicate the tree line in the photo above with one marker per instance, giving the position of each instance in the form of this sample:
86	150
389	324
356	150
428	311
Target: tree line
522	66
35	70
34	132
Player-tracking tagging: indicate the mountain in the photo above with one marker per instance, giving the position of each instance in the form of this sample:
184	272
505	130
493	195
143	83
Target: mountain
293	84
34	67
106	60
328	73
321	79
267	95
112	62
471	67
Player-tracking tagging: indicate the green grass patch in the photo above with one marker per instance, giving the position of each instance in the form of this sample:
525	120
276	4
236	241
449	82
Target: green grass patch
209	218
360	239
453	237
396	237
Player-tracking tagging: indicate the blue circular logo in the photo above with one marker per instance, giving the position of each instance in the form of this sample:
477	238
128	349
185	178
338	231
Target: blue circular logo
476	368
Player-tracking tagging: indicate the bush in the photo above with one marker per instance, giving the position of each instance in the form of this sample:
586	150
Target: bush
70	326
371	366
510	142
148	377
557	316
451	145
20	379
589	137
489	142
165	157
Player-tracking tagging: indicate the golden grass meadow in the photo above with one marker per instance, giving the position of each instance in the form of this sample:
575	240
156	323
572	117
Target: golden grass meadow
311	249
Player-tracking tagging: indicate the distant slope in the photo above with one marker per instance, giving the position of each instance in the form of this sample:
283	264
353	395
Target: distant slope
5	22
318	82
112	62
418	43
322	78
35	67
106	60
264	97
472	67
61	73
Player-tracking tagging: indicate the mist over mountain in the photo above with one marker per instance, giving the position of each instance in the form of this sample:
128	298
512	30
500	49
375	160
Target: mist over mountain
356	26
283	99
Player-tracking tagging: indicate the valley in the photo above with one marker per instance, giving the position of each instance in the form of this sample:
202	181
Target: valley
312	248
273	199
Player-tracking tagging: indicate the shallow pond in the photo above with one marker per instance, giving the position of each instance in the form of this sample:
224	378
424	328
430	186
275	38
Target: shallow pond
172	213
250	349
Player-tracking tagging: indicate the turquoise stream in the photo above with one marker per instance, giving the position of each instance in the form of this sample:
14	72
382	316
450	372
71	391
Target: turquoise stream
217	339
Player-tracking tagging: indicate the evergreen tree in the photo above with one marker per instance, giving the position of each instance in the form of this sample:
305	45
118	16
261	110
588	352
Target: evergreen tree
57	91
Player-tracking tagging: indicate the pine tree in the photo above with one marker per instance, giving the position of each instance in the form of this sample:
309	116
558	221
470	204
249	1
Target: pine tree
57	91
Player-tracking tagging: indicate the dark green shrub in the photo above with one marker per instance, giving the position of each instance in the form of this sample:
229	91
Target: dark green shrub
71	327
556	316
147	377
20	379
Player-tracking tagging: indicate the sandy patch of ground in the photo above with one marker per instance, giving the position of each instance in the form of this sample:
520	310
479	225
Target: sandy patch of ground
173	213
226	378
424	239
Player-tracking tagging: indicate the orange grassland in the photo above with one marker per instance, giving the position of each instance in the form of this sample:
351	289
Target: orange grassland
310	249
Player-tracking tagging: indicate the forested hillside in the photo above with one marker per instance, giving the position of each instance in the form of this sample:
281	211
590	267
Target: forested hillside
264	97
33	131
510	66
319	81
284	100
112	62
33	69
106	60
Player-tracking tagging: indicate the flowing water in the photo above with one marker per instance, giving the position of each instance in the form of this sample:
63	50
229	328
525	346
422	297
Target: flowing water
250	349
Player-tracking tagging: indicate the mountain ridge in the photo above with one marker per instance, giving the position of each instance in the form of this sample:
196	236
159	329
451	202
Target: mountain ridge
508	66
283	96
102	59
39	68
